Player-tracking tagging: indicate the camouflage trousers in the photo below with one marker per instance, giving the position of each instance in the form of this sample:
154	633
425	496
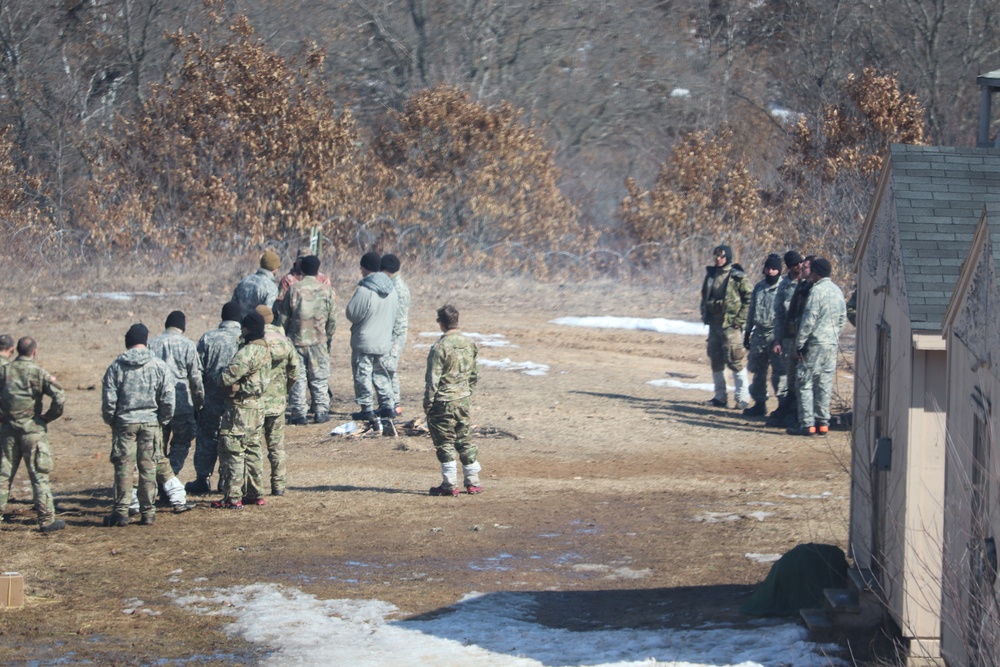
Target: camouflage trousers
136	446
369	371
33	450
177	437
274	438
761	357
206	446
391	364
814	382
449	422
314	379
241	448
725	349
790	359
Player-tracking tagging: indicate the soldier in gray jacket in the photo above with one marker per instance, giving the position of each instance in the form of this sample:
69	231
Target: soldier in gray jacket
137	400
816	344
372	314
259	287
759	336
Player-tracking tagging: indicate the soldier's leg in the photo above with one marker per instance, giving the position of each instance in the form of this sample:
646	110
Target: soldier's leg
38	462
253	457
361	369
183	428
123	456
318	370
298	406
391	364
717	358
274	438
467	451
7	443
441	424
804	386
779	377
757	364
206	449
382	382
232	468
148	452
736	362
827	367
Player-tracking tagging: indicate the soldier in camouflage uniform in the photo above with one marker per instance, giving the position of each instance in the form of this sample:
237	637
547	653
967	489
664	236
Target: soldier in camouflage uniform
23	385
759	336
241	432
788	315
779	346
725	299
10	461
283	373
215	349
816	345
181	355
295	275
372	314
451	377
137	400
259	287
390	267
308	316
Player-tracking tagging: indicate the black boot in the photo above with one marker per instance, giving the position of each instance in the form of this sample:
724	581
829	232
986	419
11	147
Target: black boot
758	409
198	487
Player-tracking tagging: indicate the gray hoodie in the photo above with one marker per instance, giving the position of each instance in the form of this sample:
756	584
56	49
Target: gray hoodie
138	388
372	313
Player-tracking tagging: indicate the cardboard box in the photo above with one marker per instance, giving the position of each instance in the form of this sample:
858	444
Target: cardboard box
11	590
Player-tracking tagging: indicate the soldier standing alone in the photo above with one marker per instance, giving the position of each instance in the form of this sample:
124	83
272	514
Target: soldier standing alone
23	384
451	377
725	299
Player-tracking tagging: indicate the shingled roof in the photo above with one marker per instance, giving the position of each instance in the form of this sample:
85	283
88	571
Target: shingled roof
939	194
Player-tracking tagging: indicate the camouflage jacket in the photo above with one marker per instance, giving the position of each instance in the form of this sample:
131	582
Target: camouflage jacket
216	349
256	289
245	378
138	388
760	315
725	297
824	316
782	299
293	277
308	313
451	369
23	384
796	306
372	314
283	372
402	324
181	356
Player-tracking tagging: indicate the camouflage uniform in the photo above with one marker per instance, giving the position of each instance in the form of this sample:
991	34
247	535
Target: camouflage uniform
293	277
241	431
256	289
816	341
24	432
181	356
282	376
308	315
215	349
10	456
782	299
451	377
725	299
760	332
790	328
137	400
399	330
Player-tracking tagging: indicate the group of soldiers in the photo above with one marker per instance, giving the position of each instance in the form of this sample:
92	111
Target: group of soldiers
790	324
232	393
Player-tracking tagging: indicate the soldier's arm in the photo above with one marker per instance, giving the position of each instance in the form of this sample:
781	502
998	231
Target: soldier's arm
165	398
743	290
235	371
435	366
54	391
281	312
751	316
474	372
291	367
195	382
810	315
331	321
109	396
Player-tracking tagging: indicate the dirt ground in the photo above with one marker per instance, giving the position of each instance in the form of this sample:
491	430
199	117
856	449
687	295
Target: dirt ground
625	504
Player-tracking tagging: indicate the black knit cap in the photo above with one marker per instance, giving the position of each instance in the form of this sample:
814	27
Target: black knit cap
371	261
253	324
137	334
773	261
821	267
724	250
390	263
231	312
792	258
309	265
176	320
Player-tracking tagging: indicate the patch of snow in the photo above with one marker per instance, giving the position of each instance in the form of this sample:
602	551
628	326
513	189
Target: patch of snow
677	384
525	367
657	324
482	340
680	92
113	296
825	494
763	558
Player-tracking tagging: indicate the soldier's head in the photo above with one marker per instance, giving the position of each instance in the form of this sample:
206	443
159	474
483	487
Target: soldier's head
253	327
266	312
447	317
389	264
772	268
309	265
819	268
370	263
804	272
270	261
231	312
26	346
176	320
6	345
723	255
136	336
793	261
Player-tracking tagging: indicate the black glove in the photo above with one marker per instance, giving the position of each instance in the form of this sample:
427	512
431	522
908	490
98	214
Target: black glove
746	341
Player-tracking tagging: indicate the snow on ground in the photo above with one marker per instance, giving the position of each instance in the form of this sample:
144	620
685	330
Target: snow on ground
482	340
492	629
113	296
526	367
677	384
657	324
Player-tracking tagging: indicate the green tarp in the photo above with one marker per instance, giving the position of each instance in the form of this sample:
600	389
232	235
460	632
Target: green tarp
797	579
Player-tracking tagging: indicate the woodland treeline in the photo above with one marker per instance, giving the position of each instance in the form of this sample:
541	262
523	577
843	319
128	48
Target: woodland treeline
530	136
